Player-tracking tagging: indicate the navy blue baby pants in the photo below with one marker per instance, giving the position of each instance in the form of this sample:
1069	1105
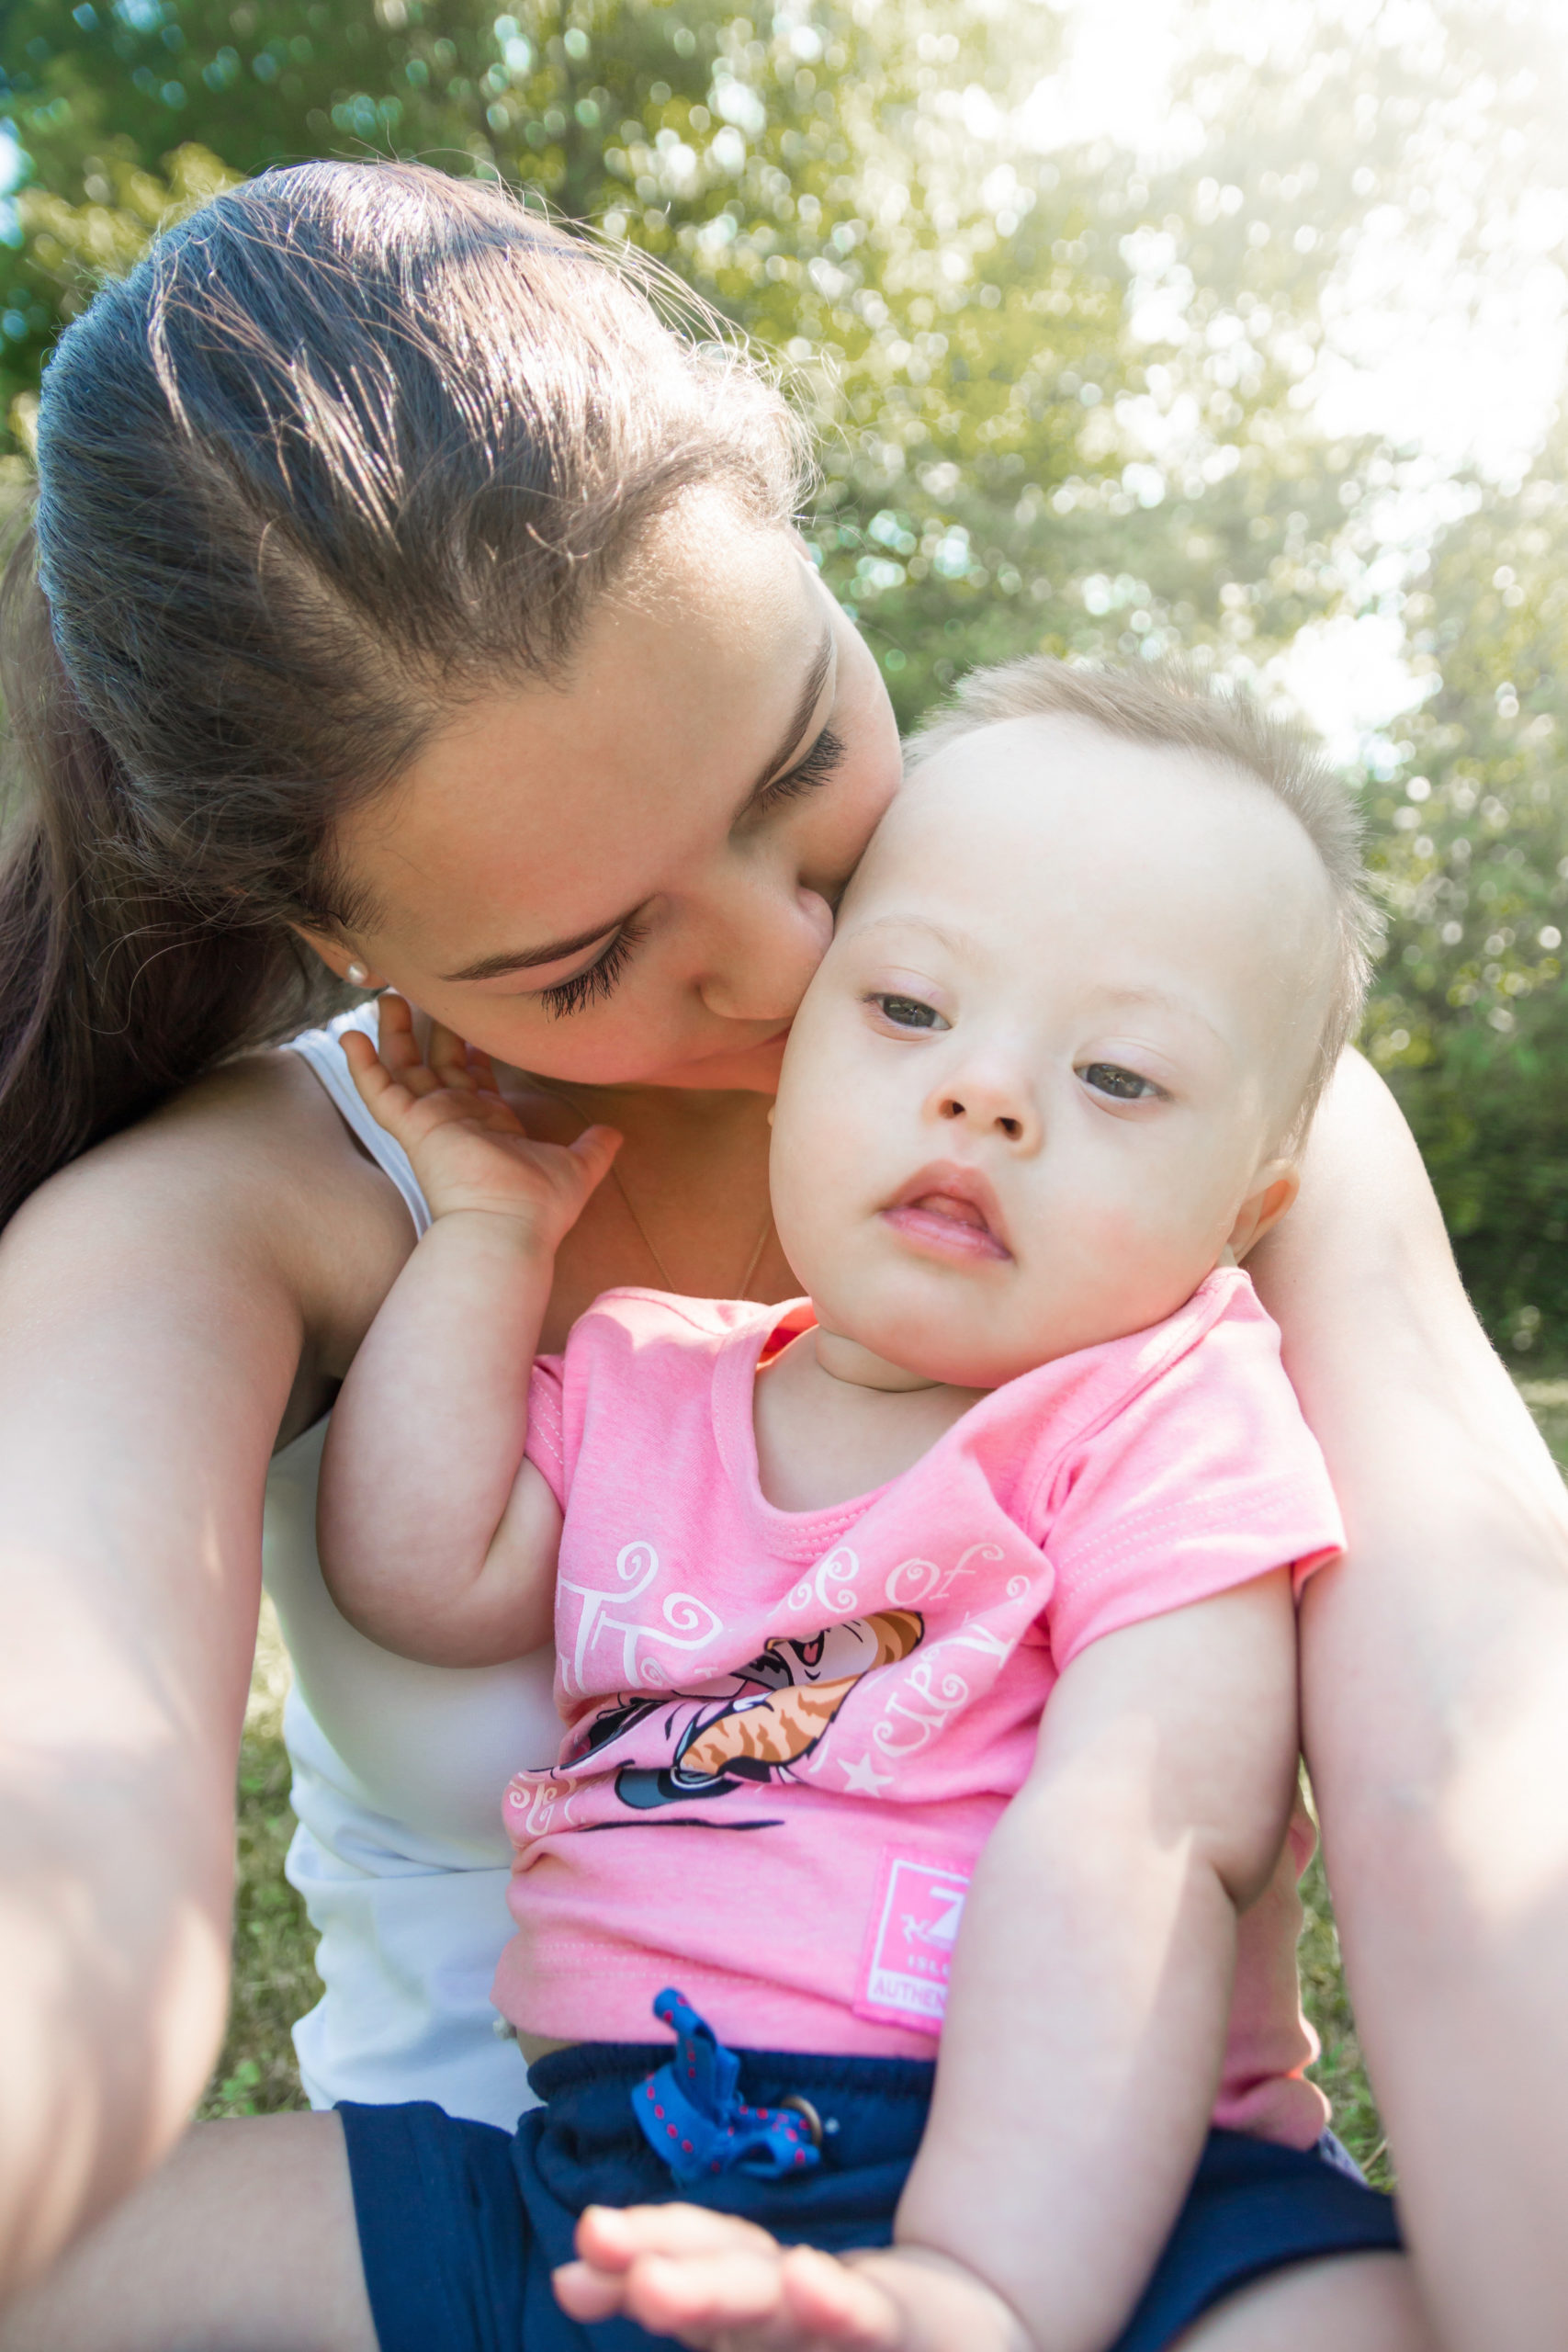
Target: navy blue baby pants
461	2225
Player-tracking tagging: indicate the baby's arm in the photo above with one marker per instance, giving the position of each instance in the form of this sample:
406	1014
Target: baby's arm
1084	2033
437	1538
1086	2025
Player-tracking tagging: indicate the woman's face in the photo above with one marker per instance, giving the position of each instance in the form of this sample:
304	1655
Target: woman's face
630	877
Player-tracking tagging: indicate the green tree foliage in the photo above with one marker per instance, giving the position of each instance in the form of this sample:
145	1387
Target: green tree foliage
1056	393
1067	397
1472	845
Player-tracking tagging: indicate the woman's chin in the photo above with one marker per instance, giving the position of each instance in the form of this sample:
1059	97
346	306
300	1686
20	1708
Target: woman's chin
753	1069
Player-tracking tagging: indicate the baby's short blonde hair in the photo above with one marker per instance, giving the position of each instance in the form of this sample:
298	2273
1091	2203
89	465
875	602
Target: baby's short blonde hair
1169	703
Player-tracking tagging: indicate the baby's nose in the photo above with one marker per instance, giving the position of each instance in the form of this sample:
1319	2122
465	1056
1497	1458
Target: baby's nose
991	1103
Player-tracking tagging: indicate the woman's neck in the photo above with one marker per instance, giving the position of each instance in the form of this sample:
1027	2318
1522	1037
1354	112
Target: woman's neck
686	1206
655	1118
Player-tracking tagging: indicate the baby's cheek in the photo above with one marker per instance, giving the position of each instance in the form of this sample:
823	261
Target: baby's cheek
1142	1256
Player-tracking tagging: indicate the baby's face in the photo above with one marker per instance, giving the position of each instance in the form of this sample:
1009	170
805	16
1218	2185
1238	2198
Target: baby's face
1071	1005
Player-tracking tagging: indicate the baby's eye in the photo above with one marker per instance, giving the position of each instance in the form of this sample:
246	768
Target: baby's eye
1120	1085
908	1012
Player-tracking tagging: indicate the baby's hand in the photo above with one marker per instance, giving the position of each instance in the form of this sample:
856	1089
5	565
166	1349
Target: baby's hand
719	2284
470	1149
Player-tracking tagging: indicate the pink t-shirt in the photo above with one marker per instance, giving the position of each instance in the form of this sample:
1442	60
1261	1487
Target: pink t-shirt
790	1733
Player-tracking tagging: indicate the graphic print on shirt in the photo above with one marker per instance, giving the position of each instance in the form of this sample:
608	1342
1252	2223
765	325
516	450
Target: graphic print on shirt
755	1724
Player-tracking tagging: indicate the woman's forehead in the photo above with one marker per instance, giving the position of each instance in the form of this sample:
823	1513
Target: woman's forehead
561	805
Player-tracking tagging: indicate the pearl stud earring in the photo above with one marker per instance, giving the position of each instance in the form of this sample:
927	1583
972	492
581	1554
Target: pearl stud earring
360	975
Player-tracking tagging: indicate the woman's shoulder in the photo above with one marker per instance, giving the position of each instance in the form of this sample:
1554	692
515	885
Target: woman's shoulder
252	1168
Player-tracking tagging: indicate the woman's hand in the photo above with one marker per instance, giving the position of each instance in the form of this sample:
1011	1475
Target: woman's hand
468	1149
719	2284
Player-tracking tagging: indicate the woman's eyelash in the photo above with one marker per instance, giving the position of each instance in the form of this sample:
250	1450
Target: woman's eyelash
818	763
599	981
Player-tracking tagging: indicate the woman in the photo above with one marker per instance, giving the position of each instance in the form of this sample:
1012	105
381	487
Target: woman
420	611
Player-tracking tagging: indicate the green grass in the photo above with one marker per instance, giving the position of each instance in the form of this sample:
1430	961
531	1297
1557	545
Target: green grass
275	1981
1547	1400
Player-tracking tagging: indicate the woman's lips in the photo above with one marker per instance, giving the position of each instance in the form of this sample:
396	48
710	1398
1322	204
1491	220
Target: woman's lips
949	1211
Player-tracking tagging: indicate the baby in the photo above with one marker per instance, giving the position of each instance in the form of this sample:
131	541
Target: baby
961	1586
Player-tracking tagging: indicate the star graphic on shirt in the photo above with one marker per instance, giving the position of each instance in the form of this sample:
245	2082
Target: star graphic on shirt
863	1779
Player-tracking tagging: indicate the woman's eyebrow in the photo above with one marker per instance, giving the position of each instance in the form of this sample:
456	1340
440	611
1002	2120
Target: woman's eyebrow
495	968
523	959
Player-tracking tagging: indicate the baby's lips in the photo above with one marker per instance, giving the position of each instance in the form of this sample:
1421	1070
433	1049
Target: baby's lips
954	1193
949	1206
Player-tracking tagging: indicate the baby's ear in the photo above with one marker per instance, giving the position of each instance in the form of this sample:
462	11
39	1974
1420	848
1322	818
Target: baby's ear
1274	1189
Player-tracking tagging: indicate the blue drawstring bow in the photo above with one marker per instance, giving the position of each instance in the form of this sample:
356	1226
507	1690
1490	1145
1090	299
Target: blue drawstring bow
692	2116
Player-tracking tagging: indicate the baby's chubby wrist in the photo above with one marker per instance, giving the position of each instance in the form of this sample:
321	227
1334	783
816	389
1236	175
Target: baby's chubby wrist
525	1231
950	2307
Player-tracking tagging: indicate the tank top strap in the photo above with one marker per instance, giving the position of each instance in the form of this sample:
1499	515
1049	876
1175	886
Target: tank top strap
322	1049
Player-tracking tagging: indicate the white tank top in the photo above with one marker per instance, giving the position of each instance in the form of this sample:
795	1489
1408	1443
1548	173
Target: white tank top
399	1772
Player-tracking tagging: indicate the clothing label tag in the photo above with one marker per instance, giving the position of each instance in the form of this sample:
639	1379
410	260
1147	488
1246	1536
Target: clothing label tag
909	1951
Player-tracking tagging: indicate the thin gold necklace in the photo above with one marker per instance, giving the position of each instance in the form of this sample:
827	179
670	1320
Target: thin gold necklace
753	1263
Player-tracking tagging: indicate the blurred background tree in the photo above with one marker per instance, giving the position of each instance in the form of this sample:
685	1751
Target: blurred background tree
1071	380
1084	359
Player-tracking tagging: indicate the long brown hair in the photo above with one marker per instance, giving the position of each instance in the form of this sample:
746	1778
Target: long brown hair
351	443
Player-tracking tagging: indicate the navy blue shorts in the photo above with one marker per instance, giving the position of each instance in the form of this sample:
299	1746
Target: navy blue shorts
461	2225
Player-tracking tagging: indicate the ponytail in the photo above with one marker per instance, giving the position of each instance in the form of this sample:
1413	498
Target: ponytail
349	445
112	993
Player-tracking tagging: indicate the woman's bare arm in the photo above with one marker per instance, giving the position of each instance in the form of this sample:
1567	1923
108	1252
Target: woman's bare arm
1435	1665
161	1303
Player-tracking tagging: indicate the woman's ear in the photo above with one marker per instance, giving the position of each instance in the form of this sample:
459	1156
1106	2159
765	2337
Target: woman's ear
337	956
1278	1182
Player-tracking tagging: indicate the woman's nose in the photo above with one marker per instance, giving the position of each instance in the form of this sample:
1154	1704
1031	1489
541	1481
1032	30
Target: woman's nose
989	1102
762	952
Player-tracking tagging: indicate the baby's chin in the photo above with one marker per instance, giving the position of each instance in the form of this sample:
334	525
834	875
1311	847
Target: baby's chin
958	1344
943	1349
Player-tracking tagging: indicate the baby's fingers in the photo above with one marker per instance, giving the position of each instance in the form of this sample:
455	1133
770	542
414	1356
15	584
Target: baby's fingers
826	2303
455	1063
712	2279
748	2301
483	1069
610	2237
386	1098
593	1150
394	1033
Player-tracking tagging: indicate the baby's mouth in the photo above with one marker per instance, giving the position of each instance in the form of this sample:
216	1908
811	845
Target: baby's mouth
951	1211
946	1205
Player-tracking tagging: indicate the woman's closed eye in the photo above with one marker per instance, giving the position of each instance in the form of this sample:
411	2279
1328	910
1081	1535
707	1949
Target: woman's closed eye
601	978
1119	1084
815	767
